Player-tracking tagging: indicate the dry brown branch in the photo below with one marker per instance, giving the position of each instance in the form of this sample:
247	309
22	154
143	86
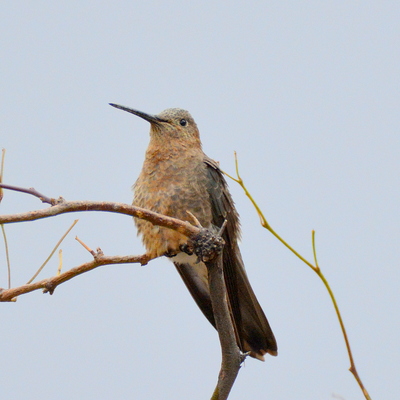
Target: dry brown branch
64	206
3	231
49	284
31	191
208	247
232	358
209	251
85	246
60	261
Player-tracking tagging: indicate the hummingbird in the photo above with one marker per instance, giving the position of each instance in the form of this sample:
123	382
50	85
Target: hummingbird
178	179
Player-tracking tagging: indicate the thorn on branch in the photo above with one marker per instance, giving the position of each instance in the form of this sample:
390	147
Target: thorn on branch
49	287
99	253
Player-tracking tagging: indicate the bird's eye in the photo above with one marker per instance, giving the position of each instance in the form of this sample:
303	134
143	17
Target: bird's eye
183	122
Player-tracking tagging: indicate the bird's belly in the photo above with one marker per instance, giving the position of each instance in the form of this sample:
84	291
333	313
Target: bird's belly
159	241
183	258
198	269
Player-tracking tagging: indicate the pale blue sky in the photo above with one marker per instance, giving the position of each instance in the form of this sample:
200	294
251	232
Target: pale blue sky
308	95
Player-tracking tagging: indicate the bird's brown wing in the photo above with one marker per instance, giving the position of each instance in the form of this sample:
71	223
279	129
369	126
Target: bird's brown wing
251	326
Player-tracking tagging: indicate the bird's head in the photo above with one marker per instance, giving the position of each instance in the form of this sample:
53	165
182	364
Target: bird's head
172	124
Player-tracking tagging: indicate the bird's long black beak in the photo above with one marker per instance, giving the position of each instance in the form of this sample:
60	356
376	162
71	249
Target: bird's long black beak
148	117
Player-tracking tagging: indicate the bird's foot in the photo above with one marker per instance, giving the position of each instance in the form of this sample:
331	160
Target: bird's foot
170	253
206	245
187	248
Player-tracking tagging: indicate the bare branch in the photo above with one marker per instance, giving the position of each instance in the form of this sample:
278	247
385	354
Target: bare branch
60	261
3	231
85	246
208	247
3	156
232	358
64	206
49	285
31	191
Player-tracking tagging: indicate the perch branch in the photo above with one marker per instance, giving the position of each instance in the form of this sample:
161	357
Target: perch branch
208	248
209	251
48	285
232	358
62	206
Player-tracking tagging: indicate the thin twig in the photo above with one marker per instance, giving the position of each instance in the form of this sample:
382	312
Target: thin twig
31	191
315	268
195	220
92	252
314	250
3	156
60	262
52	252
7	255
352	367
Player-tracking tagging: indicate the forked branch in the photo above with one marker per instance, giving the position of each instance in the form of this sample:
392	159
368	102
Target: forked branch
315	268
209	251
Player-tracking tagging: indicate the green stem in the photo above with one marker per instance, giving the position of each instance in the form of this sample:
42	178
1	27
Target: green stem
315	268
